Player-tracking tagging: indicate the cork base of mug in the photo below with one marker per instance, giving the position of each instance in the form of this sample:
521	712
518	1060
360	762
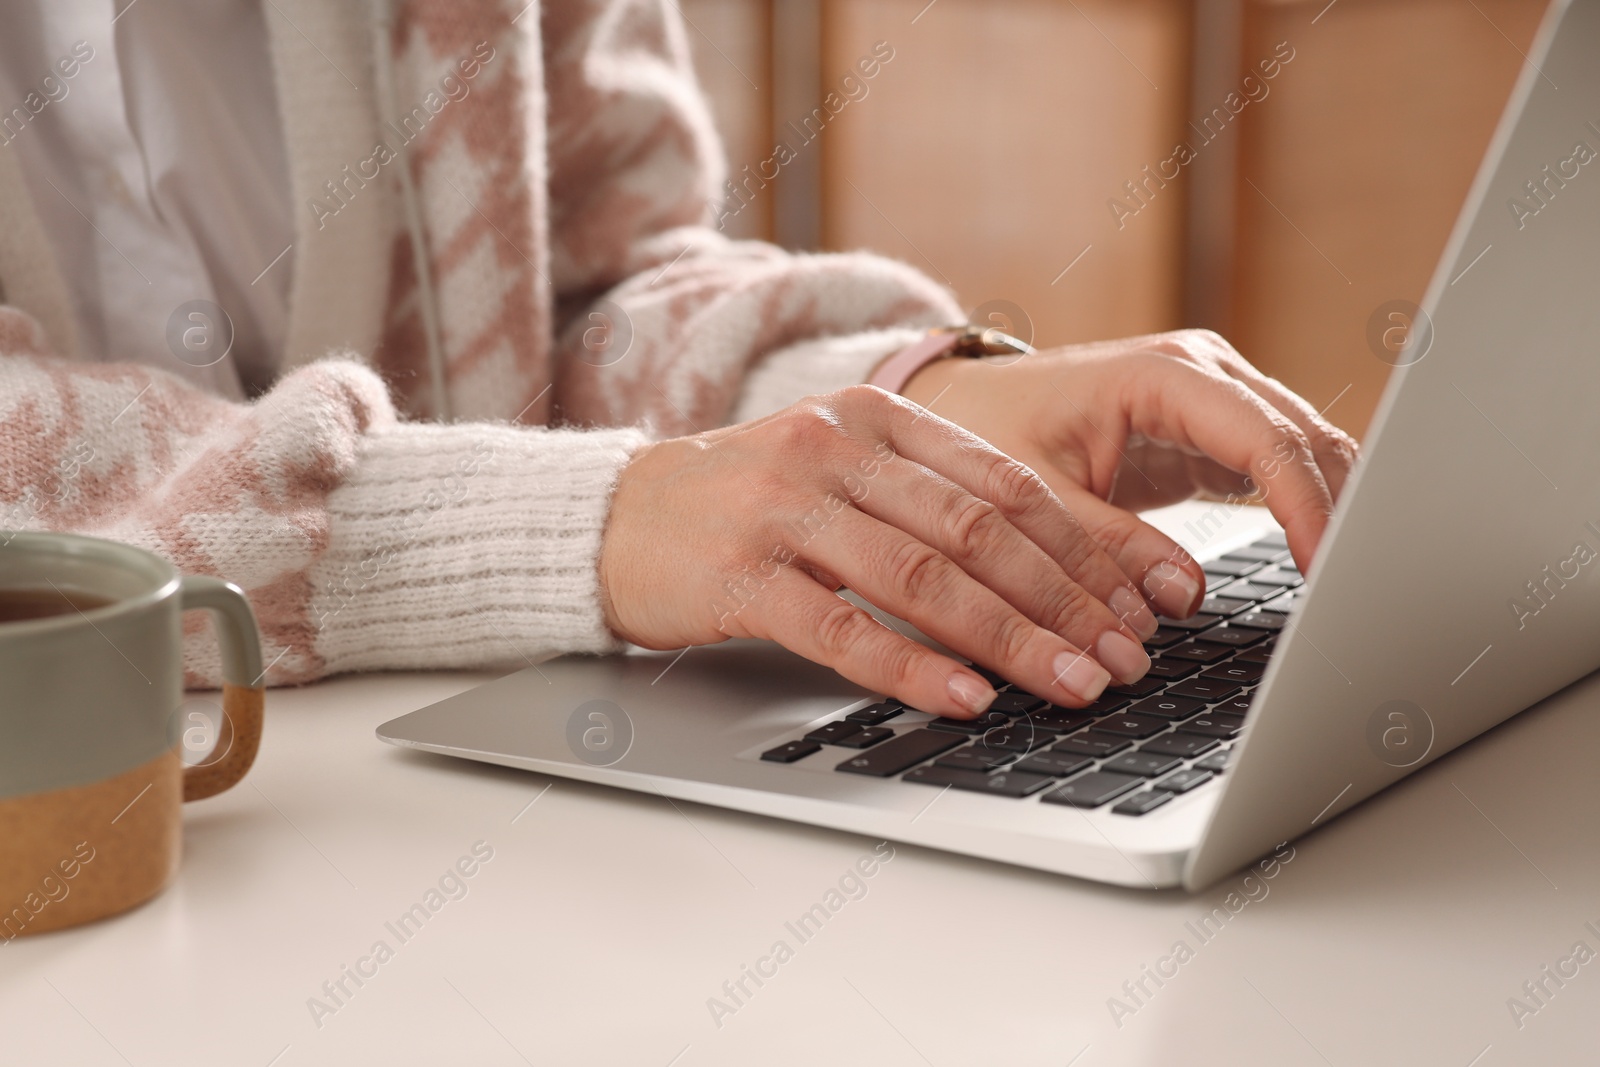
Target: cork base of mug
70	856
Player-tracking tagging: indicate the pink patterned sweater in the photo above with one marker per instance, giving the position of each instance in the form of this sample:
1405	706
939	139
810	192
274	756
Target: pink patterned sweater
571	192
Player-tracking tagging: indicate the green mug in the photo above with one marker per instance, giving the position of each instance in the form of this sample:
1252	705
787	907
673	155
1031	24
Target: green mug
92	777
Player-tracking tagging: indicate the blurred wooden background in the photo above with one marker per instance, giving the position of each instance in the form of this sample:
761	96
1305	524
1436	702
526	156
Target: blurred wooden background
988	149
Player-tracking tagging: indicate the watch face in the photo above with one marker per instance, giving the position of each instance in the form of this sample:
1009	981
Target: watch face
1003	325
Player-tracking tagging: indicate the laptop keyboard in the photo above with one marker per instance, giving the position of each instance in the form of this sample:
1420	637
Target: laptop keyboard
1138	745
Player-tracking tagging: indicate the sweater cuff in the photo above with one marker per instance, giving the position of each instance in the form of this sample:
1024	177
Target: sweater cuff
467	545
818	365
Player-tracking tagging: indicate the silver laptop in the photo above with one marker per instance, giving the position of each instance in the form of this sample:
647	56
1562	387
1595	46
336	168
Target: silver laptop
1458	584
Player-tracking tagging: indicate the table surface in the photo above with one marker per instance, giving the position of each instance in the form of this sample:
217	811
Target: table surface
608	927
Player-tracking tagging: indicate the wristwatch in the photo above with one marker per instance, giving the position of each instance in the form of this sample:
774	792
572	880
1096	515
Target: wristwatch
966	340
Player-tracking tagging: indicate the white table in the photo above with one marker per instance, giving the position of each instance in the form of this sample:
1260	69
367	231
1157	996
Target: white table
606	920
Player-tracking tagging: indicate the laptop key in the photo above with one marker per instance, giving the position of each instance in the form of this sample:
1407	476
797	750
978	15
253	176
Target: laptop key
1062	721
901	753
1056	764
1142	688
1016	738
1148	764
1164	636
1259	620
1278	576
973	758
1259	553
1239	705
790	752
1254	655
1221	605
1244	590
1273	539
1235	671
1206	690
982	724
1092	743
1107	704
1198	651
1183	745
1221	727
833	732
1283	604
1016	702
1183	781
1216	763
1232	566
1196	622
1170	669
1092	790
1233	636
1139	803
1167	706
1135	726
866	737
1001	783
875	714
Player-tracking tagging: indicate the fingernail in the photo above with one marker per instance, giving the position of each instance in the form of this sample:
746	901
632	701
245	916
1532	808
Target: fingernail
1121	657
1177	592
1081	676
1131	609
969	691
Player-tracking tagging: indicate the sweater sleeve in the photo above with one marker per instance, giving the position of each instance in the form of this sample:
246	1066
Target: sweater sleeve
659	315
362	541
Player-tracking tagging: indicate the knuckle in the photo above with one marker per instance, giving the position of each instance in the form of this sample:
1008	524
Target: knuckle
900	662
1067	605
1334	441
1322	439
1293	450
1115	536
1013	486
807	427
842	628
1299	441
864	400
1201	346
975	527
1013	634
1206	340
863	394
1081	547
917	571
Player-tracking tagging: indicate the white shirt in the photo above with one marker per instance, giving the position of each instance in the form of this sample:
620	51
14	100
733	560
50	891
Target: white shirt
158	170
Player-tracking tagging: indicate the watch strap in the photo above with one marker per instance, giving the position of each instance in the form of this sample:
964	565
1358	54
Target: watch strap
974	341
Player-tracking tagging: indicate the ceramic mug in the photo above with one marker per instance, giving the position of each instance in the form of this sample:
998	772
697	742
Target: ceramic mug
92	777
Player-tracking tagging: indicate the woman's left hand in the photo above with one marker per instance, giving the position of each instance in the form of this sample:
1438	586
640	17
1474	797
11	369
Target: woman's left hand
1119	426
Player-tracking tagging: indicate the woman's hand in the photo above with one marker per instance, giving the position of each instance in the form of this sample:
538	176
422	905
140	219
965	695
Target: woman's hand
1124	425
748	531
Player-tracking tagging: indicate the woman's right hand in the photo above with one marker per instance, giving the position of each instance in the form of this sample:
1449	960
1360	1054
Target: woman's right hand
749	531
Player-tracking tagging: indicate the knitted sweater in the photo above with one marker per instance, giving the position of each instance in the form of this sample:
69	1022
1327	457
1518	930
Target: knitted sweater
578	298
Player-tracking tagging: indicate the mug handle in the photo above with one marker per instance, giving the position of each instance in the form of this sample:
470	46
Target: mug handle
243	695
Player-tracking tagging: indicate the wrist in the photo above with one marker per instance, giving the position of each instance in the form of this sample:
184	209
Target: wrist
928	383
607	561
970	342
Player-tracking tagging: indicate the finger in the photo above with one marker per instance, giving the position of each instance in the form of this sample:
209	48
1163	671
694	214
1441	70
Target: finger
805	618
1232	424
1164	569
977	535
1021	496
920	584
1335	450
